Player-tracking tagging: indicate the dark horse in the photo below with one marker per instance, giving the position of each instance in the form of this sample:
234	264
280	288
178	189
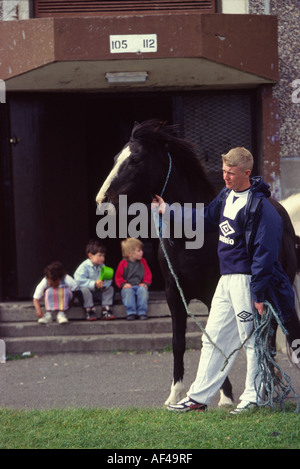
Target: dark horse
142	169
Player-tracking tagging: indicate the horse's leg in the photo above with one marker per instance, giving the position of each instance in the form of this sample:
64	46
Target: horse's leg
292	326
178	314
226	395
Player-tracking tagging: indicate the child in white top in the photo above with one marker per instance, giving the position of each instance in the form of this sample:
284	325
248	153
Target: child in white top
56	289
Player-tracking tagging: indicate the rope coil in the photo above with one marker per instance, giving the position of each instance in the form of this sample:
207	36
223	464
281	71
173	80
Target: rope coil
272	384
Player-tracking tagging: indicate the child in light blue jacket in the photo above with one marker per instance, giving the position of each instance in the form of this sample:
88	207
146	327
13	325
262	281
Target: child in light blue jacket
87	276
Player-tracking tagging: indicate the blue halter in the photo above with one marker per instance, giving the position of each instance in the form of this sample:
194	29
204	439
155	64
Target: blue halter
168	175
161	194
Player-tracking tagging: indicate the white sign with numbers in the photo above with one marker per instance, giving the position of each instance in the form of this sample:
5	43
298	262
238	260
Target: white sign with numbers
133	43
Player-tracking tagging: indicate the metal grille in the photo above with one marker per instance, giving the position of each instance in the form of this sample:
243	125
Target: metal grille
215	123
45	8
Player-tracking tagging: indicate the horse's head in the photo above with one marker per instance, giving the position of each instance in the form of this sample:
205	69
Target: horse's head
142	168
138	169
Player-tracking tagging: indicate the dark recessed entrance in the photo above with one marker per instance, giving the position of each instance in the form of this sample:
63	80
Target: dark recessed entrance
62	148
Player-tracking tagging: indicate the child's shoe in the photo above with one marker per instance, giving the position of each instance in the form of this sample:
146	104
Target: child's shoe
61	318
91	315
107	314
46	318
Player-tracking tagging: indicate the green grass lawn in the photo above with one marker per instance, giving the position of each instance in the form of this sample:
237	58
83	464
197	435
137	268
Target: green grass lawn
148	429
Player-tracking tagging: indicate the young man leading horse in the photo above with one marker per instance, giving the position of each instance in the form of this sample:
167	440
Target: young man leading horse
250	233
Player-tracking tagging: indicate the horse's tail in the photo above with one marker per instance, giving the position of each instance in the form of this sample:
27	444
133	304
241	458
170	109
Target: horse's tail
298	252
287	255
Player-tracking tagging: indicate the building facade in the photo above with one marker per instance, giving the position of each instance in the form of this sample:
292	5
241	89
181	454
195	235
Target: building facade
287	89
77	74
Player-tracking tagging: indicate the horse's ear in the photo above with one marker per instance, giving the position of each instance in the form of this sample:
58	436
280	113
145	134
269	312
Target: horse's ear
161	125
135	125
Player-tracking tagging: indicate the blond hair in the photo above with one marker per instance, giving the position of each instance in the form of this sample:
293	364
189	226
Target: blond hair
129	245
239	156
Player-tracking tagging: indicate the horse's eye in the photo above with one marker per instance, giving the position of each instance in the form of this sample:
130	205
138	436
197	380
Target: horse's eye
134	160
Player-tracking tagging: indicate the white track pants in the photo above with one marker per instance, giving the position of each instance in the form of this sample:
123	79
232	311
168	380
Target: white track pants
230	322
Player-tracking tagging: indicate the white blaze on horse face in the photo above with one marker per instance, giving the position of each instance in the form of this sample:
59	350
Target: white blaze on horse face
121	158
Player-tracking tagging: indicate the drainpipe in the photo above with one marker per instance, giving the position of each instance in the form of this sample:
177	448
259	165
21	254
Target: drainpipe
267	7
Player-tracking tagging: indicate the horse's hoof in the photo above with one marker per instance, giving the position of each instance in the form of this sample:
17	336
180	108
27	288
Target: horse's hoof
224	400
177	393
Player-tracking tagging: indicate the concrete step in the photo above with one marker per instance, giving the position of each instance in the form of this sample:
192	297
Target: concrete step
74	328
96	343
21	332
24	310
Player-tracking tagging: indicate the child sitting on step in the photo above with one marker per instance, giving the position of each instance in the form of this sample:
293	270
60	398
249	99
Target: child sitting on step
87	276
56	289
134	277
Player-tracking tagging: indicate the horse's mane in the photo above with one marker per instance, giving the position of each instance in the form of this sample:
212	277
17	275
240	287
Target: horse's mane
183	153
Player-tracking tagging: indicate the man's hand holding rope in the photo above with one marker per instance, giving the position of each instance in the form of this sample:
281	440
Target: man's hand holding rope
158	202
259	307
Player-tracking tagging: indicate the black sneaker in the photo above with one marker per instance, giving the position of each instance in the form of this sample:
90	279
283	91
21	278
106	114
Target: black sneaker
91	315
131	317
107	314
187	404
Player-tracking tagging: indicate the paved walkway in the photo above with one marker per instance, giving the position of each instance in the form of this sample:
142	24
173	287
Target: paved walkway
106	379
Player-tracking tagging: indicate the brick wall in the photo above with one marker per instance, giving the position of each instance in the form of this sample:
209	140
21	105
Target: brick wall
288	14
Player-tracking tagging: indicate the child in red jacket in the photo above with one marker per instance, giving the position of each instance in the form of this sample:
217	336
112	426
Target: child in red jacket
134	278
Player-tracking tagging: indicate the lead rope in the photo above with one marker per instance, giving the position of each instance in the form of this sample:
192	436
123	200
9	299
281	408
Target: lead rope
272	384
266	379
